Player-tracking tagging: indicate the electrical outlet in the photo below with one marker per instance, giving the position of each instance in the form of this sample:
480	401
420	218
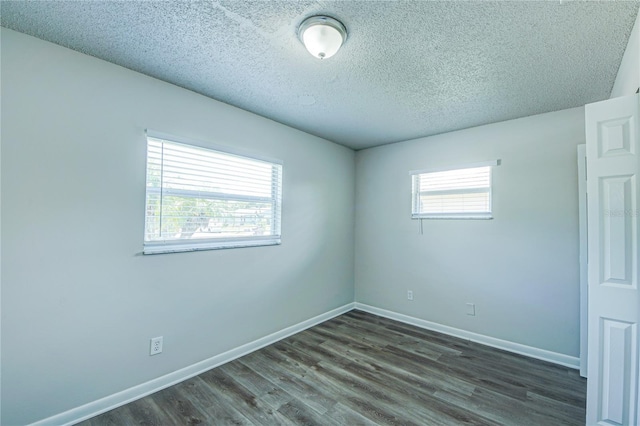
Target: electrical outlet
409	295
156	346
471	309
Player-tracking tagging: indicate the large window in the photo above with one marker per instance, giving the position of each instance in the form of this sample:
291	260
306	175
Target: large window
460	193
200	199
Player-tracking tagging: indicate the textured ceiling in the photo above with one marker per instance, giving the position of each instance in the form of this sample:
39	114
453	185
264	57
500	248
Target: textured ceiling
408	69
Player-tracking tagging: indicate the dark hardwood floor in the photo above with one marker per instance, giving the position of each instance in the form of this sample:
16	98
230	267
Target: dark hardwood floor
361	369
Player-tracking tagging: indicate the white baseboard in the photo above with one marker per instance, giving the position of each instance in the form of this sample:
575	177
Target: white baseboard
554	357
110	402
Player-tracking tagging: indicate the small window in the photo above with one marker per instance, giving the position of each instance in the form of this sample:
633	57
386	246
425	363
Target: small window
202	199
461	193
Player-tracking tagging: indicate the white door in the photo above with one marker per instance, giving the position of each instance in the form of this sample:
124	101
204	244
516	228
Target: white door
613	186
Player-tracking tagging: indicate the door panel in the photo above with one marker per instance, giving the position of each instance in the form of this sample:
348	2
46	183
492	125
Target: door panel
615	137
613	164
618	240
619	378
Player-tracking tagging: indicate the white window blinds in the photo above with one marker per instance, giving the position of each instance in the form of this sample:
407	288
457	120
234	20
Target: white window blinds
463	193
199	199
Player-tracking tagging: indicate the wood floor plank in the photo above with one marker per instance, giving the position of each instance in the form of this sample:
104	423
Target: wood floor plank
291	381
344	415
425	383
177	408
386	386
361	369
121	417
410	372
144	412
255	410
264	389
350	395
301	414
211	402
404	403
343	384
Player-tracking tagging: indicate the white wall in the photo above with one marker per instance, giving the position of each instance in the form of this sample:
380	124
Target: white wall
520	269
79	302
628	78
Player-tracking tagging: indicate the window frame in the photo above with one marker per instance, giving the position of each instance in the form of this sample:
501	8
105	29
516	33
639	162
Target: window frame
176	245
415	195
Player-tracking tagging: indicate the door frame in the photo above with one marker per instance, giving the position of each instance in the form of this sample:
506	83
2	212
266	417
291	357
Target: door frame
584	283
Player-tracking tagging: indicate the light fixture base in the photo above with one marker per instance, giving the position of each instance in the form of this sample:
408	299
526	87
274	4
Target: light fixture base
322	35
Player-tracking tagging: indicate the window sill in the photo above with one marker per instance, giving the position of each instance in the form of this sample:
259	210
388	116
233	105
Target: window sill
181	247
449	217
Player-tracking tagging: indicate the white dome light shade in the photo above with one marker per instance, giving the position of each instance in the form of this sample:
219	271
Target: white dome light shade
322	41
322	36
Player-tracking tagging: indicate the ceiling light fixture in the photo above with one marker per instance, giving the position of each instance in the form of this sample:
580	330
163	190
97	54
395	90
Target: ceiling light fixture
322	35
